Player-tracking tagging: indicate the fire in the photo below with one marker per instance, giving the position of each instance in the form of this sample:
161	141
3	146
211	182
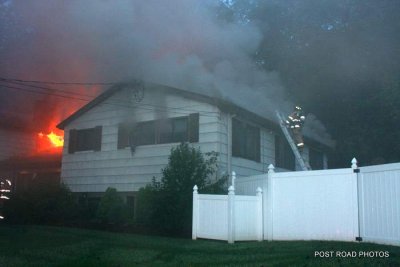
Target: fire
56	140
52	140
50	111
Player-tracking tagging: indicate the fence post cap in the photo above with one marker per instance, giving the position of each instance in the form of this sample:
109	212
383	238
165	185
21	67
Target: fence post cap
195	188
354	163
231	190
271	168
259	190
233	173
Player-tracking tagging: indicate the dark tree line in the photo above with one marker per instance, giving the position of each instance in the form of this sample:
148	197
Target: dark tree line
340	60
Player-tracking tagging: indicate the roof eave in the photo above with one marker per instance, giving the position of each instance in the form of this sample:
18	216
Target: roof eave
99	99
223	105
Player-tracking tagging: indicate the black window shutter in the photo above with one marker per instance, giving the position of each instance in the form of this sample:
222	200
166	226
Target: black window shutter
123	135
97	136
193	133
72	141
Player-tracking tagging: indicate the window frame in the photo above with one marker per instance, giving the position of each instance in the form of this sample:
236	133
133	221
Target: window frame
126	131
78	139
284	156
242	132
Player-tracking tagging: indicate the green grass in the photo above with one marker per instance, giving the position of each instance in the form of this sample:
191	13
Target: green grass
53	246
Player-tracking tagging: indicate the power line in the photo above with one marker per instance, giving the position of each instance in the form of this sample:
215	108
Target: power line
45	88
119	104
44	93
59	83
66	94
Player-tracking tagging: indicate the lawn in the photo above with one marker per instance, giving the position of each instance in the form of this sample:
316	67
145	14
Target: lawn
54	246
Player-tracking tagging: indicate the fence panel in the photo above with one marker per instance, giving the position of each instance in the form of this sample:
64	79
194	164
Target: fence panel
248	185
338	204
379	190
248	218
314	205
227	217
212	217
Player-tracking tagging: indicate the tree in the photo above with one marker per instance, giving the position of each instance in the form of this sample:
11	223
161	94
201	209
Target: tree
339	60
166	205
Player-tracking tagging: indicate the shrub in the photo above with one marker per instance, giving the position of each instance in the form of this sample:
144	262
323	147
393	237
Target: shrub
167	205
41	205
112	209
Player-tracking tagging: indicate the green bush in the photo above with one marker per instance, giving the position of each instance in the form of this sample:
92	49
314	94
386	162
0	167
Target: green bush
41	205
112	209
166	206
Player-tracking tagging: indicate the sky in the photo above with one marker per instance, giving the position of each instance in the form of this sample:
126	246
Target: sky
181	43
270	54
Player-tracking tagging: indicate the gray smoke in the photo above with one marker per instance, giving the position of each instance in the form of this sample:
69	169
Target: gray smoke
180	43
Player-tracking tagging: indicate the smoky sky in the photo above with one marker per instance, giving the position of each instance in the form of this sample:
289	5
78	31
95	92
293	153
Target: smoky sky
254	53
180	43
335	46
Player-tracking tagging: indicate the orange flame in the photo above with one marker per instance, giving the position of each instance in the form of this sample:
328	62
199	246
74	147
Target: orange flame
55	140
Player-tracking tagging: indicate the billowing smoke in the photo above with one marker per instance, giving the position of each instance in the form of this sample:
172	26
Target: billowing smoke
180	43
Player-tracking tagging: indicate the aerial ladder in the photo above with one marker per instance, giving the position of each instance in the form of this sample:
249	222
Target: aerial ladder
305	166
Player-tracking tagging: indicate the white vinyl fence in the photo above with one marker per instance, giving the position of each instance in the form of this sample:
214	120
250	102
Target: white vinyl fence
340	204
379	191
319	205
227	217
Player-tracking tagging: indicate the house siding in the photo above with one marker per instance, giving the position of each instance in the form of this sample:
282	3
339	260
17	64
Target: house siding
90	171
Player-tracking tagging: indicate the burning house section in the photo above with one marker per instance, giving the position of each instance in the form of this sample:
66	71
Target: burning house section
30	149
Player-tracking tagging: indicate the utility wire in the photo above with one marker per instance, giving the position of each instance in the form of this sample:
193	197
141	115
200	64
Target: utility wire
23	83
44	93
59	83
66	94
45	88
120	104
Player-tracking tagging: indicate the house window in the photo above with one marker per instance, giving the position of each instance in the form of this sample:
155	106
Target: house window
284	157
316	159
173	130
145	133
85	139
245	140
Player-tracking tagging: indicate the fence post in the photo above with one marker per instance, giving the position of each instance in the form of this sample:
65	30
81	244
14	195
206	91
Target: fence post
195	213
233	179
354	164
358	197
269	208
259	214
231	214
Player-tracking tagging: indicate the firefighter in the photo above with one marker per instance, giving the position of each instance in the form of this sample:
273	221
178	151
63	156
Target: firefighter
5	189
295	122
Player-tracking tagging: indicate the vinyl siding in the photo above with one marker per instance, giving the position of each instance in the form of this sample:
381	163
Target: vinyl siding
90	171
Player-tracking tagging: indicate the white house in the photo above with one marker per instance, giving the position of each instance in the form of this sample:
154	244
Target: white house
123	138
